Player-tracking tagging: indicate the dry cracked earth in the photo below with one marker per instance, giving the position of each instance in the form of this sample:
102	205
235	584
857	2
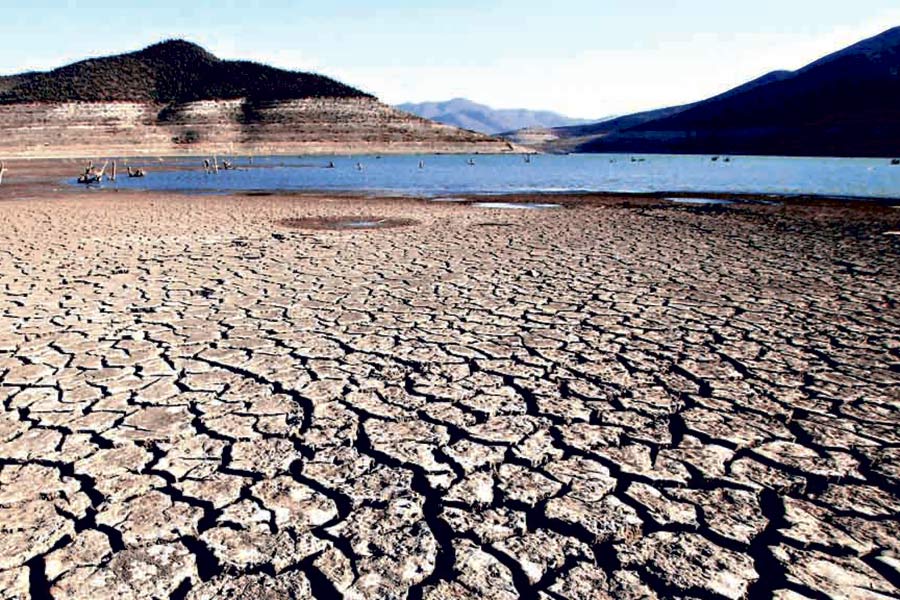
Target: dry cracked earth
594	402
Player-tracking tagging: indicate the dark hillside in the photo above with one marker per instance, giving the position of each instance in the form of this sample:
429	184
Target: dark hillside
846	104
169	72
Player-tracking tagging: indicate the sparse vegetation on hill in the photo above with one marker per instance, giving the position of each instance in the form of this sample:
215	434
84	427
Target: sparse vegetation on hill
174	71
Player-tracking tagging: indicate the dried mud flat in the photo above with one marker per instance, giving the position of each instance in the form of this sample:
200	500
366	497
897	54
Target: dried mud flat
596	402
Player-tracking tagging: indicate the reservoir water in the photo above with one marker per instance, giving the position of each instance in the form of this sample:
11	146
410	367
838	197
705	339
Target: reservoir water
447	175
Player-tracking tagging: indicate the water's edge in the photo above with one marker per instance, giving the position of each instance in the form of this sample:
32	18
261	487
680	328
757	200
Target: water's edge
487	175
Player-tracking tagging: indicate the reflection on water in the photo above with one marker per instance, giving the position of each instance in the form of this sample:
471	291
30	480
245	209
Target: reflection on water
359	224
699	201
516	205
448	176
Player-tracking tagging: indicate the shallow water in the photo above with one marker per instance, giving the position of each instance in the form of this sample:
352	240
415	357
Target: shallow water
452	175
516	205
359	224
699	201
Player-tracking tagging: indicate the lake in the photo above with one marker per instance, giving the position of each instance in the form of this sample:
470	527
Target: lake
502	174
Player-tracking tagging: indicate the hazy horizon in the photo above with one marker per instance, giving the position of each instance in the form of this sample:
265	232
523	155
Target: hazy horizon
579	59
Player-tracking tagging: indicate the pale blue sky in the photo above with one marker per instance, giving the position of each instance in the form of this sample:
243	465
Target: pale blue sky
580	57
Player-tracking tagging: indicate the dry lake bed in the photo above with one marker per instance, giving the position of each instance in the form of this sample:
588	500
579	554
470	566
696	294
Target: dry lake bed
273	397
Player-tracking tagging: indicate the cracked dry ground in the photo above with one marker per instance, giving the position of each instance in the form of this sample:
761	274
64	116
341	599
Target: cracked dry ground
598	402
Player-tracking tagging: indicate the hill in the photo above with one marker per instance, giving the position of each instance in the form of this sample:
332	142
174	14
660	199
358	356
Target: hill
845	104
174	71
579	137
176	98
466	114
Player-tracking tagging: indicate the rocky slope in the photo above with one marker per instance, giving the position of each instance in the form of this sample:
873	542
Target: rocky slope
176	98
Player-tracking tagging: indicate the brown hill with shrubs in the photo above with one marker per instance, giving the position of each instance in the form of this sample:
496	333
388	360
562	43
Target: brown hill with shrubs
175	98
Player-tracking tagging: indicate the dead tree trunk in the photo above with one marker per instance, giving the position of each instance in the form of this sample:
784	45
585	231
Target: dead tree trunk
2	171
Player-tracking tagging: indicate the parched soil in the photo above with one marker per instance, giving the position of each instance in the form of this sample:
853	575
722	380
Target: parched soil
611	400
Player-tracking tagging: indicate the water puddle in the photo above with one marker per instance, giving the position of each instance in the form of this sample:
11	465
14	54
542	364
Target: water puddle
700	201
345	223
449	199
517	205
360	224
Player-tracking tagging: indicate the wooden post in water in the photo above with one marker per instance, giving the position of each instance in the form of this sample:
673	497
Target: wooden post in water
215	164
2	171
113	177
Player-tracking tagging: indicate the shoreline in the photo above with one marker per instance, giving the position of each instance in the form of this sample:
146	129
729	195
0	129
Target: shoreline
36	176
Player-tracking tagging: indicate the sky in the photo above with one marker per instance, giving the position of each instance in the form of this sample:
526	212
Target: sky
582	58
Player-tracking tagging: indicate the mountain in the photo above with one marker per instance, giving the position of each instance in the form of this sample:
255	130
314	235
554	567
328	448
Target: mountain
577	138
176	98
469	115
169	72
845	104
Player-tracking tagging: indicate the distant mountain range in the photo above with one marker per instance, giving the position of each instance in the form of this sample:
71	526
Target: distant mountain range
845	104
466	114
